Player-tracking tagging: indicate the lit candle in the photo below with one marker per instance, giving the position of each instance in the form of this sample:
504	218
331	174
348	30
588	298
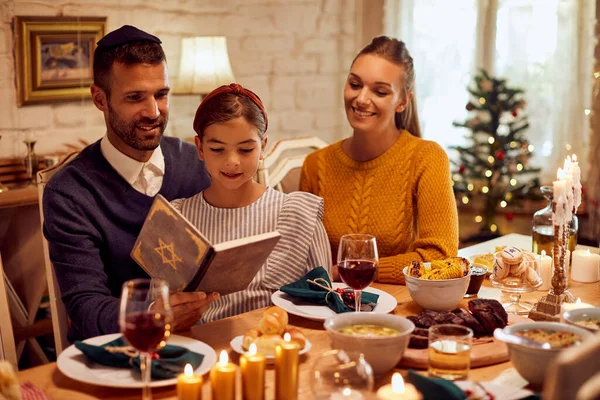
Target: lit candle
564	307
546	270
559	190
189	385
398	390
584	266
346	394
252	365
222	378
286	369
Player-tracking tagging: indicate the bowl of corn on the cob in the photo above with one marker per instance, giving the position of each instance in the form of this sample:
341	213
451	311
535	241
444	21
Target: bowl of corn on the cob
438	285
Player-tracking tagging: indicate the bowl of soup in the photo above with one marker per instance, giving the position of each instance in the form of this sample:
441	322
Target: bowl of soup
382	338
586	318
532	362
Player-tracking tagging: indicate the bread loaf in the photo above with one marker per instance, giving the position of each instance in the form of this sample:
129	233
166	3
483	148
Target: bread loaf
266	344
9	385
249	338
297	336
274	321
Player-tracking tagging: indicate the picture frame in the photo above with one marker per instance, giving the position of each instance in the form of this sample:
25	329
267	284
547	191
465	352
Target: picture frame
54	57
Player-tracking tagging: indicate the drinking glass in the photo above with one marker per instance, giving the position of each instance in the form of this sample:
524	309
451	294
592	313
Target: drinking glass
449	351
357	263
340	374
145	318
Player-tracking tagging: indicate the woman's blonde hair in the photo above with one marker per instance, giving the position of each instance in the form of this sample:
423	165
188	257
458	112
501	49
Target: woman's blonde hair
395	51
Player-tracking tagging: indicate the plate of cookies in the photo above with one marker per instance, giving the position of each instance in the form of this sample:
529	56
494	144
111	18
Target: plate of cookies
271	330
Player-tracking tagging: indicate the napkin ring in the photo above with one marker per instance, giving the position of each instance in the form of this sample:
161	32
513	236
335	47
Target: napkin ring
326	286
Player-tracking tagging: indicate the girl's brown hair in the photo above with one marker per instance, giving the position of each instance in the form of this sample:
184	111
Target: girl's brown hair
230	102
395	51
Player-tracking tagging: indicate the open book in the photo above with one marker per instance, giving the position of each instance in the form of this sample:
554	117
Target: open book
169	247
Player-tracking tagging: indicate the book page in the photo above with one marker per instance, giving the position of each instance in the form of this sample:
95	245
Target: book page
236	263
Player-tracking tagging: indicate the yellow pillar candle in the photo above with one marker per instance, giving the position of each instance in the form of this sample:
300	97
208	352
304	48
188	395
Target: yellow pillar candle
189	385
398	390
252	365
286	369
222	378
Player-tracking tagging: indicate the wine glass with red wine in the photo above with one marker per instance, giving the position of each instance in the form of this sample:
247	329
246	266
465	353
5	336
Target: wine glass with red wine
357	262
145	319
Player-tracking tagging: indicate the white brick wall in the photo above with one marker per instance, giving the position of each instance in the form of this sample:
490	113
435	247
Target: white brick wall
293	53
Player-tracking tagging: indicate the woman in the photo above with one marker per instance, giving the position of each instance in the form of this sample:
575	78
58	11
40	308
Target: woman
231	124
385	180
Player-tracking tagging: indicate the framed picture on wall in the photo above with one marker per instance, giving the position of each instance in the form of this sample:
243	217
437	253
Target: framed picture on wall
54	57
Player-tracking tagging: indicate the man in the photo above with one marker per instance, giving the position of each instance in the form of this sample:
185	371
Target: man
95	206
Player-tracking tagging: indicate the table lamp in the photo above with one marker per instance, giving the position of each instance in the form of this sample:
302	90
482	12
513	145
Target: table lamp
204	65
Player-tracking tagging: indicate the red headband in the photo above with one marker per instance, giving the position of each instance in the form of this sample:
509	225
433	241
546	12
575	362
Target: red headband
237	90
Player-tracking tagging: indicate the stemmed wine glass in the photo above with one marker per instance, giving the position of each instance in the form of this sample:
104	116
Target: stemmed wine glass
145	319
340	374
357	262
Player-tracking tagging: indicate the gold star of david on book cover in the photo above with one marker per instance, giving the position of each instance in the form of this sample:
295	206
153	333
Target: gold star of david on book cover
169	249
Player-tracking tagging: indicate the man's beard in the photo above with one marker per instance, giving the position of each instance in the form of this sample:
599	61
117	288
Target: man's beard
126	131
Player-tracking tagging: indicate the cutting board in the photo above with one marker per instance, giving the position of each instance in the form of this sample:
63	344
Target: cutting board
485	350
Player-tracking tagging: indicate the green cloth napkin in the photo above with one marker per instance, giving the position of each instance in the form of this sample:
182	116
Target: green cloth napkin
314	294
171	363
442	389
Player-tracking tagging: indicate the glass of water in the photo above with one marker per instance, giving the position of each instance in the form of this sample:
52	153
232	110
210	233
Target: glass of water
449	351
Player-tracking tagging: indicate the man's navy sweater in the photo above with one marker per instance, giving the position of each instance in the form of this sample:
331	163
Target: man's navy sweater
92	217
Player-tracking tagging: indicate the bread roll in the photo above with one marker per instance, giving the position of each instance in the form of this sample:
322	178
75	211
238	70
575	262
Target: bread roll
9	385
274	321
297	336
265	344
249	338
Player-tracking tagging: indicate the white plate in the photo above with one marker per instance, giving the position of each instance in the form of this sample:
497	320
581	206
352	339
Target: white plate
236	345
499	391
385	304
74	364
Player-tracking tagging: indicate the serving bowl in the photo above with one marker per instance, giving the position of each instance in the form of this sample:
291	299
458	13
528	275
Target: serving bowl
382	352
578	316
437	295
532	362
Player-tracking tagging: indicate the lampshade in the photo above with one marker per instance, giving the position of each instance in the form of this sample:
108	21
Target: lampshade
204	65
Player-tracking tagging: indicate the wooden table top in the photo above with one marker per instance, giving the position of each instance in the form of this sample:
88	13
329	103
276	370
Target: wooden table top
218	335
20	196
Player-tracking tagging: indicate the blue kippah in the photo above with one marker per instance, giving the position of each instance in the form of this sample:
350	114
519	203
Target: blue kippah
126	34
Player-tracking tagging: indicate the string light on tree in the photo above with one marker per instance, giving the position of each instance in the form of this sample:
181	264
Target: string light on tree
496	157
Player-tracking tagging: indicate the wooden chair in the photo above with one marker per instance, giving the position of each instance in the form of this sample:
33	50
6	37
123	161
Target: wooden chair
283	173
574	374
8	349
57	308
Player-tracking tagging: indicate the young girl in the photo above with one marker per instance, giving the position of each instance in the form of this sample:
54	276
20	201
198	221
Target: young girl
231	123
385	180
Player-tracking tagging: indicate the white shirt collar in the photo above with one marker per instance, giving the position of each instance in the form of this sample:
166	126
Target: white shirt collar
126	166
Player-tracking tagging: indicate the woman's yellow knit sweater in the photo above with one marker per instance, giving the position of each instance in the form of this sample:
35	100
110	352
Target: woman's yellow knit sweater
403	197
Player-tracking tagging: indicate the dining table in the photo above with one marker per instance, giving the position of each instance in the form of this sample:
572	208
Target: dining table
218	335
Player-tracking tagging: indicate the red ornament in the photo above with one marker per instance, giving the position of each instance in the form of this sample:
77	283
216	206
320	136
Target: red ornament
500	155
470	107
461	169
510	216
514	112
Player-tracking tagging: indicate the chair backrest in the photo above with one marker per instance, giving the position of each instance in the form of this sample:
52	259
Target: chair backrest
57	308
283	172
8	350
574	373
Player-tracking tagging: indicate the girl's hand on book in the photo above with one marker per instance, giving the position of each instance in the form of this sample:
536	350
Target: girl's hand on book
189	307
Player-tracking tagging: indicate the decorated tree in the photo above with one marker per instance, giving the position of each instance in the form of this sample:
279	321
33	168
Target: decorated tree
494	165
